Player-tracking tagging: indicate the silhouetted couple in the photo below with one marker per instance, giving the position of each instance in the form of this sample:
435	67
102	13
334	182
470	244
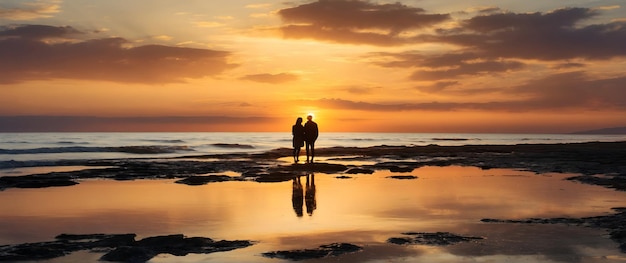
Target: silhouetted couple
306	134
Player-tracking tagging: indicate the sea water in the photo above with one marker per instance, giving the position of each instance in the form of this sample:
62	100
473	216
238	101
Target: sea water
36	148
364	210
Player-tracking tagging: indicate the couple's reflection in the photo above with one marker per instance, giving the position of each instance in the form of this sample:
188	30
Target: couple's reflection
301	196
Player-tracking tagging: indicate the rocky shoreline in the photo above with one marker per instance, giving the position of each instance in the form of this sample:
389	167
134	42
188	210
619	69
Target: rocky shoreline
118	247
598	163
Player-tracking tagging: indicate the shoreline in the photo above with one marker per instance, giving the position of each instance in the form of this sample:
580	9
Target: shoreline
596	163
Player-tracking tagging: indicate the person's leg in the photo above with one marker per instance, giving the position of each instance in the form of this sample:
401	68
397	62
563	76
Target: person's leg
308	145
298	155
296	152
312	151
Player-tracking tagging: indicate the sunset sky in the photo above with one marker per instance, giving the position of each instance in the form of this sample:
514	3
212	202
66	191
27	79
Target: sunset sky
257	65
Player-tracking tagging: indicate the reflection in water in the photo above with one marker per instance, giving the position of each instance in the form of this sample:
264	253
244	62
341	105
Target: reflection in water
372	209
311	203
297	196
300	197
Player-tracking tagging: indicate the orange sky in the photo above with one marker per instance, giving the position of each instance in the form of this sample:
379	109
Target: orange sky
383	66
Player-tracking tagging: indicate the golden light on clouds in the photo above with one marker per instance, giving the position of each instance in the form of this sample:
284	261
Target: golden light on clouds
356	65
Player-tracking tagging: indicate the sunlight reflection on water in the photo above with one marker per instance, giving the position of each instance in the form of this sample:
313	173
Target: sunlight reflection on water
364	210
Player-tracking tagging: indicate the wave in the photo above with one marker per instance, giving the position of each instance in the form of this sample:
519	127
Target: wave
165	141
150	149
69	142
233	145
451	139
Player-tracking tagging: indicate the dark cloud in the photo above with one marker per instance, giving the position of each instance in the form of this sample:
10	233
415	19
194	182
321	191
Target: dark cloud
545	36
492	34
488	10
111	124
366	106
355	21
355	89
569	65
446	66
437	86
272	78
26	55
566	91
341	35
574	90
466	69
492	40
37	32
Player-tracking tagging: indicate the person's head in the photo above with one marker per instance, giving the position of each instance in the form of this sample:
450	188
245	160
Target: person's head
299	120
310	117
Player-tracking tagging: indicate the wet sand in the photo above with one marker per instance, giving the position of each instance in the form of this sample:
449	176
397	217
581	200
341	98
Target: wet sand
602	164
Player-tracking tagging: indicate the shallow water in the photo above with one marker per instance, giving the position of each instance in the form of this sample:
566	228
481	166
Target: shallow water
39	148
364	210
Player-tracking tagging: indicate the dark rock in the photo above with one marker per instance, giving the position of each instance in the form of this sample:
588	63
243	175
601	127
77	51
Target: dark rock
45	183
615	182
359	171
34	181
335	249
403	177
398	166
225	245
125	248
33	251
399	169
275	177
100	240
159	242
399	240
587	159
202	180
343	177
432	239
315	167
129	254
615	223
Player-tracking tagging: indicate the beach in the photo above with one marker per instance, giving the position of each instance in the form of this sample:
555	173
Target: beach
464	201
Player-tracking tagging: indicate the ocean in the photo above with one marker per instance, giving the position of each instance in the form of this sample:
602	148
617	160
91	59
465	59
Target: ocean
35	149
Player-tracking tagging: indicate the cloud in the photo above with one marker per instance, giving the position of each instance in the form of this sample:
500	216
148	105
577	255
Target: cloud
467	69
356	89
437	86
25	54
272	78
37	32
111	124
451	65
545	36
355	22
574	90
30	10
492	32
565	91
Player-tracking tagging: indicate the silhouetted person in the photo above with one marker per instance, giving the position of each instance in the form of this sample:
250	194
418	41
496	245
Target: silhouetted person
297	130
297	196
310	135
309	196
